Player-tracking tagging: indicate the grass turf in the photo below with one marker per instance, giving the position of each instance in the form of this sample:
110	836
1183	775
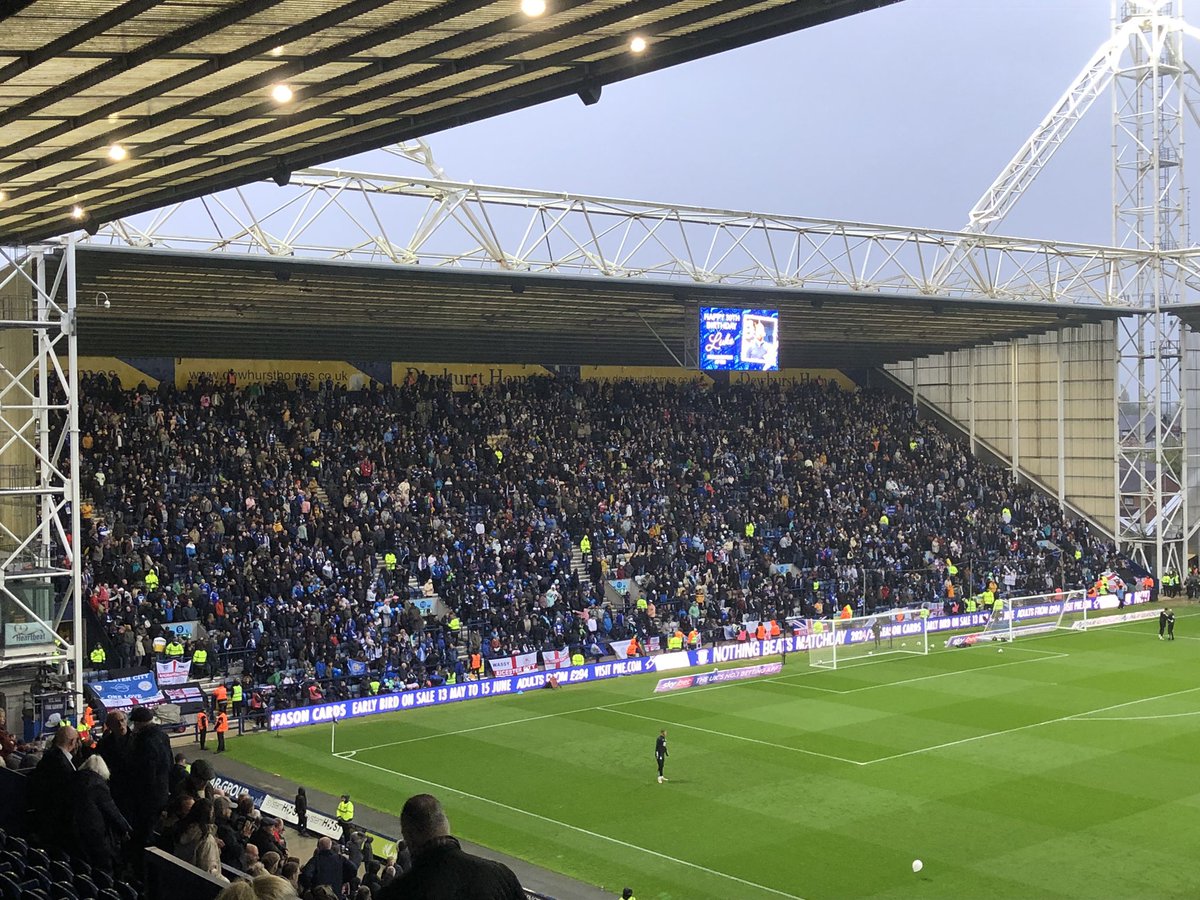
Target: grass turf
1065	767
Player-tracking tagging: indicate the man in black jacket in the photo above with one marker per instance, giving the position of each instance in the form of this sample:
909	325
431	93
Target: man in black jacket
327	867
150	762
50	789
441	870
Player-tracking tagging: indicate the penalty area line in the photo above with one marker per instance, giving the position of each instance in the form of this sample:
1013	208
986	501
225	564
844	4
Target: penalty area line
1048	654
576	828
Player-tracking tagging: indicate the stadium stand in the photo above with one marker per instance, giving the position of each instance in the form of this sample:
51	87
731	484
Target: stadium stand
297	527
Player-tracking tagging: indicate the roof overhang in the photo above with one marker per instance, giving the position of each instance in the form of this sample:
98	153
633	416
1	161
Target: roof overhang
166	303
185	87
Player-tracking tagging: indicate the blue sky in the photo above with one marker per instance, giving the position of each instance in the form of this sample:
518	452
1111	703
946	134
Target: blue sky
903	115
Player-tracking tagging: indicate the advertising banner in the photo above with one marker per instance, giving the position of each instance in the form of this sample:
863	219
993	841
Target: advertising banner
174	671
451	693
1140	615
720	676
26	634
122	693
286	810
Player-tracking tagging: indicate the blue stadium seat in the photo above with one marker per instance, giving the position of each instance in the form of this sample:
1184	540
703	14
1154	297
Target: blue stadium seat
60	891
18	845
9	888
60	871
13	862
125	891
108	895
37	857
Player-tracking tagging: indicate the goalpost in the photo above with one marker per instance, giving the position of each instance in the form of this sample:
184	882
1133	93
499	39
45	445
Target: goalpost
841	642
1020	617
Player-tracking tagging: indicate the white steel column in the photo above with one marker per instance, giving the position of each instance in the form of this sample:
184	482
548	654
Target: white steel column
1062	444
39	414
1150	213
1014	401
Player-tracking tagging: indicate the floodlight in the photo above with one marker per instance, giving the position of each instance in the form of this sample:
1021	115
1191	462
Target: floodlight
277	51
117	153
533	8
281	93
638	44
77	212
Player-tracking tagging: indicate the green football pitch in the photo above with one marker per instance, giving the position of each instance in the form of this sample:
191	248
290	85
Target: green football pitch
1066	766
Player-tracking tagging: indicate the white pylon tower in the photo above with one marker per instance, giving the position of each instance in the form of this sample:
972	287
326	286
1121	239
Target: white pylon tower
1143	64
1150	213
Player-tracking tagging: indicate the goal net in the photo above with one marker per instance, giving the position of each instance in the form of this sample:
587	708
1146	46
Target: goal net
841	642
1020	617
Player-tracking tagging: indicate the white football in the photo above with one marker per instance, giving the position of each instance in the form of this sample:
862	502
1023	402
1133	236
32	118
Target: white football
918	865
999	649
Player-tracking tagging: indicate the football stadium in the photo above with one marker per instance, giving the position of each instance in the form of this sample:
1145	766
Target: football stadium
372	533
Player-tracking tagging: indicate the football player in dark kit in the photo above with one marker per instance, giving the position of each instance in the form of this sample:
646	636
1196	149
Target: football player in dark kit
1166	622
660	753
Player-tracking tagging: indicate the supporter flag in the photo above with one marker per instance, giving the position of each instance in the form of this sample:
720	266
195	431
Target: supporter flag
620	648
122	693
556	659
174	671
356	667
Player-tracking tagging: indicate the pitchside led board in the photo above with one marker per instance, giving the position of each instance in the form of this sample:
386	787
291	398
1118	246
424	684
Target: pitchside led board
739	339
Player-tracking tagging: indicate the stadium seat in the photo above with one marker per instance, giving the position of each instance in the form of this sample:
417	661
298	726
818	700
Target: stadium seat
13	862
85	887
9	888
60	854
60	871
125	891
37	857
103	879
39	875
18	845
108	895
61	891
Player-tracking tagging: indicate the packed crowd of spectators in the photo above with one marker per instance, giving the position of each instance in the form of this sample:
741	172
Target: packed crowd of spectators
100	802
290	525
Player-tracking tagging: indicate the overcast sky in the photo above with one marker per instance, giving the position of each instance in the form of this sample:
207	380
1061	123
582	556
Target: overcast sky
903	115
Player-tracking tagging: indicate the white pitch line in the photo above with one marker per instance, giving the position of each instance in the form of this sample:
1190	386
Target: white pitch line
734	737
1080	716
1181	715
576	828
567	712
885	684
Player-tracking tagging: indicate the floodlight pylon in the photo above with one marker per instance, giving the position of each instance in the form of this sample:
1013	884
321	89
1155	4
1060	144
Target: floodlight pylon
1142	65
40	567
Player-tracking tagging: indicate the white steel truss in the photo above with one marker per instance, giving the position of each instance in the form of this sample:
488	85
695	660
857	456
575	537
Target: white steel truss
433	221
40	573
